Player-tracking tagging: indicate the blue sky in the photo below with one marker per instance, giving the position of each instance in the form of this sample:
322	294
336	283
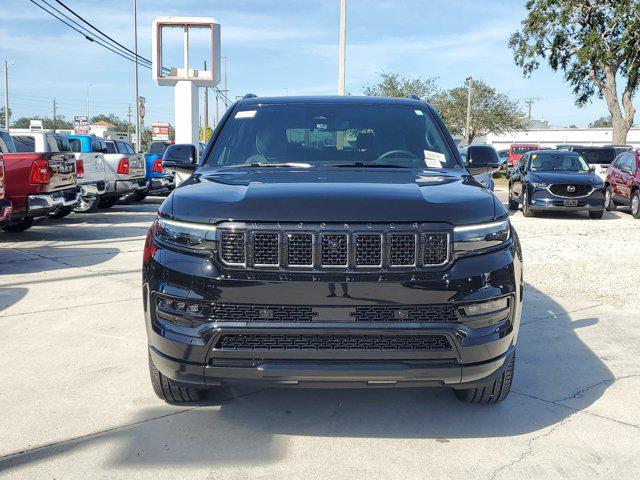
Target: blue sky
277	47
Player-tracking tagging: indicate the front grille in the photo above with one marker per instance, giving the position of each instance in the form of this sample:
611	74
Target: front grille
436	248
300	249
368	250
335	248
365	247
406	313
232	247
333	342
266	249
261	313
402	250
568	190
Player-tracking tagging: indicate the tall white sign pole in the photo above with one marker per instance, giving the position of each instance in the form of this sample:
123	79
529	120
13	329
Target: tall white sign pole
342	53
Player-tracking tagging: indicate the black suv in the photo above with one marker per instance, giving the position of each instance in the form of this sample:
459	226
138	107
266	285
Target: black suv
330	242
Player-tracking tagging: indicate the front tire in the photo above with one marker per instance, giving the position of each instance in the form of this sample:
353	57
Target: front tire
609	204
526	208
19	225
171	391
513	205
635	204
493	391
107	202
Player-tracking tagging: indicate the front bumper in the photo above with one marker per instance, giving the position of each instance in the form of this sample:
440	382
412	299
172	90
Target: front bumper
44	204
543	199
5	210
195	353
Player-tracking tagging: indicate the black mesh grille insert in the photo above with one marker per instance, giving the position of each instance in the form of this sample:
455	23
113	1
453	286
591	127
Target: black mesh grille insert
335	249
436	248
405	313
402	250
300	252
261	313
265	249
232	247
564	190
333	342
368	250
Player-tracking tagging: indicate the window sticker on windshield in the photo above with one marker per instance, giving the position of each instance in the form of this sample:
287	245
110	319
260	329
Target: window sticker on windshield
246	114
419	112
434	159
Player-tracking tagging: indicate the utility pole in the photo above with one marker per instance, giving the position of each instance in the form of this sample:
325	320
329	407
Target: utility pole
217	108
129	124
88	85
135	50
529	103
206	109
6	94
342	52
55	115
226	90
467	130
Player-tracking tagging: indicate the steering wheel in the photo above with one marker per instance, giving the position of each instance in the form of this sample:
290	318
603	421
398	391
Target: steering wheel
390	153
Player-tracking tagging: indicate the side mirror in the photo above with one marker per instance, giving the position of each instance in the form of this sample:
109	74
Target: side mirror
482	159
592	168
180	157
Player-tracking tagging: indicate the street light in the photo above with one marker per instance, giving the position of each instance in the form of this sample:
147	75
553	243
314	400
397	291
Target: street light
467	130
6	93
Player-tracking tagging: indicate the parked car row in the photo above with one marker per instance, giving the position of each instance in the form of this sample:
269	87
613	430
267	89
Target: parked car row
48	174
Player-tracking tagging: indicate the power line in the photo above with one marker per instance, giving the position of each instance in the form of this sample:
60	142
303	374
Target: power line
91	39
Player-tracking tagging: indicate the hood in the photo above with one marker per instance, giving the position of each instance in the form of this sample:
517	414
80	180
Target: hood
332	195
576	178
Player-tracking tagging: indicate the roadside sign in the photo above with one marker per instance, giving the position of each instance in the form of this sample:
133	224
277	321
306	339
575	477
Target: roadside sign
141	108
160	131
81	124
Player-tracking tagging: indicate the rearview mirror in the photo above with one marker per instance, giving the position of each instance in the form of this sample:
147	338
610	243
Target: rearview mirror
482	159
180	157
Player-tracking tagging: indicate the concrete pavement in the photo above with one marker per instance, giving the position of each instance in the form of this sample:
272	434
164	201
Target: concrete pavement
76	400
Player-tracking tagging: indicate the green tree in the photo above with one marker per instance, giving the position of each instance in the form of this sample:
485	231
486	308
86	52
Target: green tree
205	135
602	122
394	85
491	112
2	115
595	44
47	123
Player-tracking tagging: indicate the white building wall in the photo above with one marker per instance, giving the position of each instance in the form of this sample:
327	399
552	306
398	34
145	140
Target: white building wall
552	137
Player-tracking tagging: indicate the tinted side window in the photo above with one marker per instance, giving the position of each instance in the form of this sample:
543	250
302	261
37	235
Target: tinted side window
111	147
24	143
129	148
76	145
606	156
96	146
51	143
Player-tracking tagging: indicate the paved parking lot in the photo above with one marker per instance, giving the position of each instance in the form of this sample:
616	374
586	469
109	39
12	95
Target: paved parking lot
76	401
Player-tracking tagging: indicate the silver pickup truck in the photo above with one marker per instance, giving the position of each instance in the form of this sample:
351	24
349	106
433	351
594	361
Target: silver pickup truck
90	170
125	172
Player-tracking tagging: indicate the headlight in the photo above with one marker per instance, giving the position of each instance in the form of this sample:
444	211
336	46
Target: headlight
193	236
471	239
539	185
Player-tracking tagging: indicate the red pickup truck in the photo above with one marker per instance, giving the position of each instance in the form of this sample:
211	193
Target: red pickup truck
37	184
5	205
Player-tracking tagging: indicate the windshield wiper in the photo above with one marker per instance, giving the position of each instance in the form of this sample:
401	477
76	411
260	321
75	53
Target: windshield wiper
368	165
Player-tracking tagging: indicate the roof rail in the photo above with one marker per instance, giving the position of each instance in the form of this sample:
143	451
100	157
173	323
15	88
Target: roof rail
249	95
413	96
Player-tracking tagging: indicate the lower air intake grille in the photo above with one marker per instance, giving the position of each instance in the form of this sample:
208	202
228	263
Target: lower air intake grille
436	248
334	342
232	248
407	313
261	313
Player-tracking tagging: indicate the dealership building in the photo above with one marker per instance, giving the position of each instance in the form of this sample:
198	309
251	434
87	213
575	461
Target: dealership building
552	137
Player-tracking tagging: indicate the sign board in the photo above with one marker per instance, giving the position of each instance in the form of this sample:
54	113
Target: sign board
141	108
81	124
35	125
160	131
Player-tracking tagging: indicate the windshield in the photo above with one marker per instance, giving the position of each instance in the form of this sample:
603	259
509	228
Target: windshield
157	148
558	162
521	150
332	134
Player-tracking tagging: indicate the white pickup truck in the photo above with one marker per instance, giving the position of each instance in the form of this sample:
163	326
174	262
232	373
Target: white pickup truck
126	171
90	170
